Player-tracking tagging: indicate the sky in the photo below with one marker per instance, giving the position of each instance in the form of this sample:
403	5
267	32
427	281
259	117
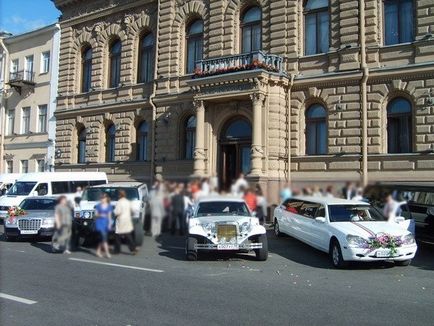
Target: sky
19	16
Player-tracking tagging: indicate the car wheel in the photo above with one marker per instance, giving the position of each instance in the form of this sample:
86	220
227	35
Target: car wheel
277	232
336	255
262	254
403	262
190	251
139	233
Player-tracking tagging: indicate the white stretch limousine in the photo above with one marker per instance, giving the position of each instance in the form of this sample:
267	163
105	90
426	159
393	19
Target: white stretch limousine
48	184
346	230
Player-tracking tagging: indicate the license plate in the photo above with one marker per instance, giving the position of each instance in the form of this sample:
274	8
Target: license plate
227	247
28	232
383	253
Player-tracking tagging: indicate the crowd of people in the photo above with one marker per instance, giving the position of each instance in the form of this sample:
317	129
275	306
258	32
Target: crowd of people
171	204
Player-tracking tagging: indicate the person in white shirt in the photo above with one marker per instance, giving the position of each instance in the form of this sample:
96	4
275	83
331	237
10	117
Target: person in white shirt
240	185
390	209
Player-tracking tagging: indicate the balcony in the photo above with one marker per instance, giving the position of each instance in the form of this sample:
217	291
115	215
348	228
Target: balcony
257	60
20	79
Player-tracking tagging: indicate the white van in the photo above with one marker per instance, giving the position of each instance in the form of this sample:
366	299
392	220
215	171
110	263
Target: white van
7	180
48	184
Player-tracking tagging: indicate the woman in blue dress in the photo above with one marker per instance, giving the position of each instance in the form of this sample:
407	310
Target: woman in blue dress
103	219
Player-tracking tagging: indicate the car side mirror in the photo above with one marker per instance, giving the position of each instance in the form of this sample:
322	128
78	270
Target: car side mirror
35	193
399	219
254	214
77	200
320	219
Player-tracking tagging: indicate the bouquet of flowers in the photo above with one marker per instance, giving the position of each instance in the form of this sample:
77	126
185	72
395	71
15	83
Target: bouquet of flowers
386	241
15	212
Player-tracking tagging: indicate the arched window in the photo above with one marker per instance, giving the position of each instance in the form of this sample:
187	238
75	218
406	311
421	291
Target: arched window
115	63
316	27
239	129
399	126
146	59
189	137
142	141
110	143
194	44
86	69
251	30
81	150
316	130
398	21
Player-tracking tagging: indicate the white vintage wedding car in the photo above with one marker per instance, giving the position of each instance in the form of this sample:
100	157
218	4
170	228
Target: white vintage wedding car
346	230
225	224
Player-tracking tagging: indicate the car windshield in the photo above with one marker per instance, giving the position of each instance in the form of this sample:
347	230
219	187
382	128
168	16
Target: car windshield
354	213
38	204
94	194
21	188
218	208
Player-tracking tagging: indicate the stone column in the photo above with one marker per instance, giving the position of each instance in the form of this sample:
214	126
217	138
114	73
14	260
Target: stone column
257	151
199	150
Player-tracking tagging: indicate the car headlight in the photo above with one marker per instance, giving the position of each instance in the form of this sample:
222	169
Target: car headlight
48	223
356	241
209	227
11	221
408	239
245	227
86	214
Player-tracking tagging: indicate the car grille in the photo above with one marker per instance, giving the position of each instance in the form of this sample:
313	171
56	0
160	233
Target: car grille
29	225
226	232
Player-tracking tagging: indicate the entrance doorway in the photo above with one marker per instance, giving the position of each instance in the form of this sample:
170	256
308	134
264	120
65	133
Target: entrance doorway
235	151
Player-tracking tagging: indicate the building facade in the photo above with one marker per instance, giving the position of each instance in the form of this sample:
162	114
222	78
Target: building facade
302	91
30	70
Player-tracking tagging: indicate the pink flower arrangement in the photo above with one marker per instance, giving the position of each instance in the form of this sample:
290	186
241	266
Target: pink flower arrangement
386	241
15	212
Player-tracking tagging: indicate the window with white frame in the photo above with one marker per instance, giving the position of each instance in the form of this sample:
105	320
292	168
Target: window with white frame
9	166
10	122
40	165
42	118
14	68
24	166
25	120
45	62
28	71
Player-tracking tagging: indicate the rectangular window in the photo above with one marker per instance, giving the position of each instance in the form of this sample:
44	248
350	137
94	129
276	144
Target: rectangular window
10	129
61	187
24	166
42	118
398	21
40	165
25	123
9	166
28	71
45	62
14	69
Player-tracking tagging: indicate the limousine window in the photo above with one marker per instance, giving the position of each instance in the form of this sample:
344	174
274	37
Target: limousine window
21	188
94	194
354	213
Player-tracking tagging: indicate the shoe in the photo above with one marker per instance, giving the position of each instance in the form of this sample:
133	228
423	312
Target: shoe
67	252
108	256
98	255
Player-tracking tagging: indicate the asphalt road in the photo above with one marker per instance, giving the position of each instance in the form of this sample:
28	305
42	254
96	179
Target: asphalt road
296	286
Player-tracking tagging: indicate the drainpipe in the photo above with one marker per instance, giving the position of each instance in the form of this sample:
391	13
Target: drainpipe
288	114
151	98
5	60
364	93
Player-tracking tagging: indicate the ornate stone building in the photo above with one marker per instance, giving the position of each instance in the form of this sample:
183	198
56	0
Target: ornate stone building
307	91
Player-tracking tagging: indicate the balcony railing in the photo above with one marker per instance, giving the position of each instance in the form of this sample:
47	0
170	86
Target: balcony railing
25	76
239	62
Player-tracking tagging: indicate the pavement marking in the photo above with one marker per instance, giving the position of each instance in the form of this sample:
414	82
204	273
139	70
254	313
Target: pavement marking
117	265
17	299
